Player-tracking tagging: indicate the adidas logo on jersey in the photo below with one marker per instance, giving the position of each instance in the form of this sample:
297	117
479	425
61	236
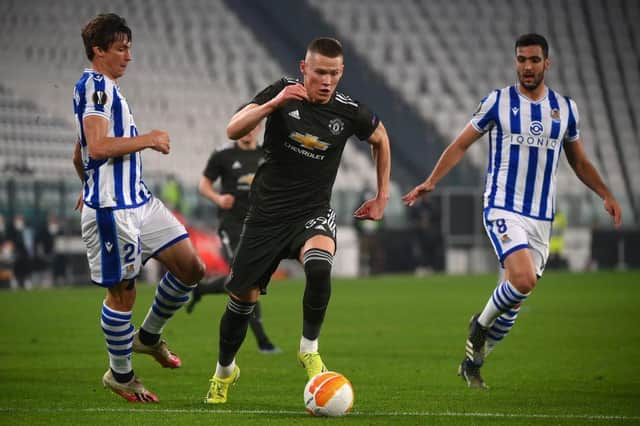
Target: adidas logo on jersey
236	165
295	114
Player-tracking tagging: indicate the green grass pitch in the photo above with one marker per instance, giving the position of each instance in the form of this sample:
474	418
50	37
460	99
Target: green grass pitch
572	358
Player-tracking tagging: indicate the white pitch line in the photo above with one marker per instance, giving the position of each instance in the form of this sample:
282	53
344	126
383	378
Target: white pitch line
304	413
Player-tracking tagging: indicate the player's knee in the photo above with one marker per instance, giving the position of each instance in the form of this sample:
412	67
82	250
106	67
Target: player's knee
250	295
191	272
524	281
199	269
121	297
318	270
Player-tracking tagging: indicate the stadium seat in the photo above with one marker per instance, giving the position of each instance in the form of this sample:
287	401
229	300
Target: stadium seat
444	55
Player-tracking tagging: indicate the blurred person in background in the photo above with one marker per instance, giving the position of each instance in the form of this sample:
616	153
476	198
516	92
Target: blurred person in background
22	237
371	256
7	255
48	263
123	225
557	259
234	164
529	126
290	216
172	194
427	241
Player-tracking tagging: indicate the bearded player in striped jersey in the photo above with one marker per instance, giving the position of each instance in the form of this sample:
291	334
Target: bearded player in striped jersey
529	125
290	216
123	225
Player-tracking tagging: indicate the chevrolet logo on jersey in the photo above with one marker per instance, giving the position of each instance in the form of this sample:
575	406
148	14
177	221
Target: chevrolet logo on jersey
309	141
244	181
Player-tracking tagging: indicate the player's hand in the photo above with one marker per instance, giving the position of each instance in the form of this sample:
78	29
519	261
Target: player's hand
226	201
291	92
371	209
410	197
613	208
160	141
79	202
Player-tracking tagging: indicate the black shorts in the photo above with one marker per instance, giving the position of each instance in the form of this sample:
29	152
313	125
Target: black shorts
230	237
263	246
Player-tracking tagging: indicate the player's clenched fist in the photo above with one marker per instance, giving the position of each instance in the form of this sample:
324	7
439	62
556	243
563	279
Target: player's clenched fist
293	91
160	141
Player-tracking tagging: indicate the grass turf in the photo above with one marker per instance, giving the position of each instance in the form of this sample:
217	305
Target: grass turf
573	357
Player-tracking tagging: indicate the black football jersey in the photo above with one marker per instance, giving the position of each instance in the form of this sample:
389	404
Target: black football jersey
236	168
303	144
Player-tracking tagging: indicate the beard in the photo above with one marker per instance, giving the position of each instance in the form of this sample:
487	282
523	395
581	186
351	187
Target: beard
533	85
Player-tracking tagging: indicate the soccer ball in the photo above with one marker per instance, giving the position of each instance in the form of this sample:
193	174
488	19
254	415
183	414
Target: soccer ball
328	394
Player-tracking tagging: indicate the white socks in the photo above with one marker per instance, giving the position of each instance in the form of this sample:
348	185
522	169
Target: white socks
504	297
307	345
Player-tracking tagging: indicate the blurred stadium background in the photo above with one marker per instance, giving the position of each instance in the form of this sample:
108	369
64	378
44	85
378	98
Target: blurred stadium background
422	66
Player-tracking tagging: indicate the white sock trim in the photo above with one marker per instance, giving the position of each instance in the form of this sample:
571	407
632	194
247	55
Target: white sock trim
307	345
225	371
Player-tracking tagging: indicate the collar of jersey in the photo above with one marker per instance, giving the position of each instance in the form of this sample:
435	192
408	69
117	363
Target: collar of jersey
542	99
92	71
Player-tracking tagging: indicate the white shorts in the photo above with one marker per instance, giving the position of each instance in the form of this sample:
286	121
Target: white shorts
509	231
119	241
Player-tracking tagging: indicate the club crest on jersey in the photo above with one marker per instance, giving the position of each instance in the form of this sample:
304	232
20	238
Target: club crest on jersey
99	97
536	128
336	126
309	141
555	114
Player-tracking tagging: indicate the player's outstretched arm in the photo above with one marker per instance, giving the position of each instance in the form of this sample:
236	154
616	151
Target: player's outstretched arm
102	146
380	148
588	174
449	158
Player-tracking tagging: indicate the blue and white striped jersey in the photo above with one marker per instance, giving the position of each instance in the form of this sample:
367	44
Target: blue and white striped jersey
525	143
112	182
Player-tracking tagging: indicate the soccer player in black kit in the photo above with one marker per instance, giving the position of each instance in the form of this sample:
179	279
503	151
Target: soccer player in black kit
290	216
235	164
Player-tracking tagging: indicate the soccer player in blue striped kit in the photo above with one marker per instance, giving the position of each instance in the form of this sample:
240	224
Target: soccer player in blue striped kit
529	125
123	225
